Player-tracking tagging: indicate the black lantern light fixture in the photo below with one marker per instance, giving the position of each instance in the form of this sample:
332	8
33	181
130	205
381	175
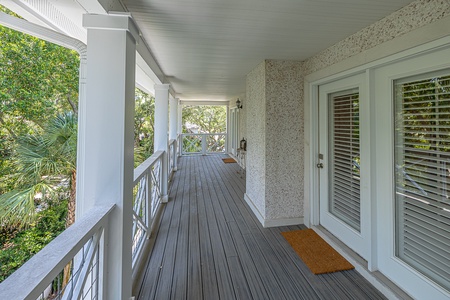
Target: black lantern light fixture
238	104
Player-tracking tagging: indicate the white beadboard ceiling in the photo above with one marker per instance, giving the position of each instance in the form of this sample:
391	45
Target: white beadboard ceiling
207	47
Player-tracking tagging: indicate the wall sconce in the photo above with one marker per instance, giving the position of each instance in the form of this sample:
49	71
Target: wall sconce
238	104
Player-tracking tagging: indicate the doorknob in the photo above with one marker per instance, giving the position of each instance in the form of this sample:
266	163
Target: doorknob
320	165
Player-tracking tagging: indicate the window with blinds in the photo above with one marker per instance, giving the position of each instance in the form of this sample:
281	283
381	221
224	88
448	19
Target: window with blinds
422	174
344	158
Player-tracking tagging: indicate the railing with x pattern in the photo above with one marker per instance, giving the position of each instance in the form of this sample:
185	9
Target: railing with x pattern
147	200
203	143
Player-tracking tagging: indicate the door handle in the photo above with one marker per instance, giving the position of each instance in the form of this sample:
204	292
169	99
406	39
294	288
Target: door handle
320	165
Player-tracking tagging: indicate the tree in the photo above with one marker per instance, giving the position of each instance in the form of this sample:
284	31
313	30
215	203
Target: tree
45	169
208	119
38	80
144	120
204	119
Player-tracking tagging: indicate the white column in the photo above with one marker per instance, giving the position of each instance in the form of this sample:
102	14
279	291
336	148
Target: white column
161	129
180	127
106	140
173	119
173	127
228	136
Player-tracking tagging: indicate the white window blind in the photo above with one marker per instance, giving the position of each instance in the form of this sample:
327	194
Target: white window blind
345	158
422	175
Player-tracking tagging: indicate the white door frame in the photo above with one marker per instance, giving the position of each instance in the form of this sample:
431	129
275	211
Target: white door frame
360	242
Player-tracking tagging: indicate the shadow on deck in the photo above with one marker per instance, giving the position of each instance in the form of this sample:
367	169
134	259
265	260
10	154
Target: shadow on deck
209	245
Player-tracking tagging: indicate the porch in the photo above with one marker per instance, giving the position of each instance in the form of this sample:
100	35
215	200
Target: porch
209	245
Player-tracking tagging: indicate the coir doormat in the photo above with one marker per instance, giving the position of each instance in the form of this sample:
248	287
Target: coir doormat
228	160
317	254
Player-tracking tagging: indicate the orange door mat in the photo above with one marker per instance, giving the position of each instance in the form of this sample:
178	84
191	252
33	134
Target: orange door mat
315	252
228	160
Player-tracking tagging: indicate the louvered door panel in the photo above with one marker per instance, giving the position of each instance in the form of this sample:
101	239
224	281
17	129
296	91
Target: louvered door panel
344	157
422	168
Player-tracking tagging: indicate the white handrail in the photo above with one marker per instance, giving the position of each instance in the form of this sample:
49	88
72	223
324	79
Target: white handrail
36	274
140	170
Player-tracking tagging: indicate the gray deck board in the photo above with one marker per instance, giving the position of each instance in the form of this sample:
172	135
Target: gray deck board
210	245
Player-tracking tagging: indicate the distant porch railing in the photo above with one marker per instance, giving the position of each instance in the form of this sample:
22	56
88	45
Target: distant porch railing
203	143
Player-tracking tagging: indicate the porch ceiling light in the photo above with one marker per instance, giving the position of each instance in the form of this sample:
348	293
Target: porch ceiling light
238	103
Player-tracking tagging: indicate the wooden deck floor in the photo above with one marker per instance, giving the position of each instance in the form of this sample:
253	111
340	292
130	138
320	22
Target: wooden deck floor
210	246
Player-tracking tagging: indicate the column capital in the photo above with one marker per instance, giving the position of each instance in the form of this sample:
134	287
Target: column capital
162	87
112	21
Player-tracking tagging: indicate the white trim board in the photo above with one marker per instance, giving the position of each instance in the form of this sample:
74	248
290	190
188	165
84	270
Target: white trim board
271	222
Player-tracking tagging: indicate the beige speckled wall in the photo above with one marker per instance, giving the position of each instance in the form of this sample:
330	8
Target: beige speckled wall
284	130
256	150
274	131
410	17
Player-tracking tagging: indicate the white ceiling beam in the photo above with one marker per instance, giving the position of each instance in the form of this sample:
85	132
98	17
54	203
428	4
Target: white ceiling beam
200	102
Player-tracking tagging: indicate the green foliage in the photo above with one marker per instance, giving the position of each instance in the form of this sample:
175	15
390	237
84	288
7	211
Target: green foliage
43	164
204	119
38	80
18	246
207	119
144	120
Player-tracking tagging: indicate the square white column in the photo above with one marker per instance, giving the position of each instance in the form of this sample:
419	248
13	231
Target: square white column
161	142
105	168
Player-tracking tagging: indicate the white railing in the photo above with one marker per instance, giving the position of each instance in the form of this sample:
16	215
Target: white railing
147	200
68	267
203	143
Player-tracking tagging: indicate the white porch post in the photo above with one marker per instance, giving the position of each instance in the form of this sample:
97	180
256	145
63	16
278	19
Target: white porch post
227	137
105	168
180	127
173	127
161	127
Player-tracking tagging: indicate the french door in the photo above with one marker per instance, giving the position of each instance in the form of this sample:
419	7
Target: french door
342	211
233	133
413	162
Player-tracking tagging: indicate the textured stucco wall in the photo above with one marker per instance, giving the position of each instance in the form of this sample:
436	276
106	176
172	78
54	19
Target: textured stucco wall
408	18
255	160
284	140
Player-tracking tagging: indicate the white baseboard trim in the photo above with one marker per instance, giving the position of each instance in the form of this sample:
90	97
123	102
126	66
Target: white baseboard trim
253	208
282	222
271	222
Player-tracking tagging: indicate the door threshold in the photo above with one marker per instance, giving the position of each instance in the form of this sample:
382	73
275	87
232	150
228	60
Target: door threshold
376	278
